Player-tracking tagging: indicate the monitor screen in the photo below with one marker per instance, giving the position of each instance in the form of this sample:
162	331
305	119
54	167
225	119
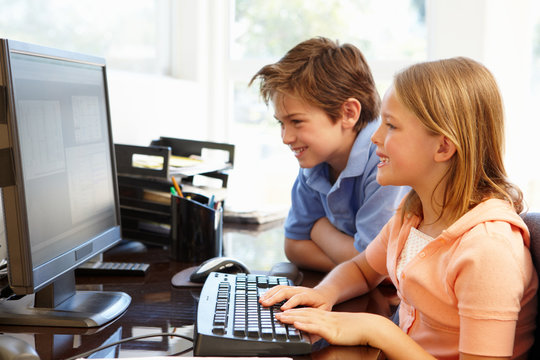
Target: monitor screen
66	165
61	205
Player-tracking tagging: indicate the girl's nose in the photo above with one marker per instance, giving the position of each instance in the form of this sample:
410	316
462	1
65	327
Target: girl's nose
375	138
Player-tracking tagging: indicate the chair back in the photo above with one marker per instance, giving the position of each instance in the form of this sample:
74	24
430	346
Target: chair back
532	220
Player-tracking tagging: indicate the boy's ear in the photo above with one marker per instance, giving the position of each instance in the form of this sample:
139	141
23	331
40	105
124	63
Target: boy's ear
446	150
351	109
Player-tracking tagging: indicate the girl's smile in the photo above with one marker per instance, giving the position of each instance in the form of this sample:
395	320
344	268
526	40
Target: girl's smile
383	159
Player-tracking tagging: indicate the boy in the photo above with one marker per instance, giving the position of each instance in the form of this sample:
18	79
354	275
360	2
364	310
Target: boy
325	100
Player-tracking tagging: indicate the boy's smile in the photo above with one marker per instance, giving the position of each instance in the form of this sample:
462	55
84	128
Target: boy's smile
311	135
298	151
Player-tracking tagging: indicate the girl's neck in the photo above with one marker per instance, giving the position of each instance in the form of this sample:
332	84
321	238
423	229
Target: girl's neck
433	229
434	221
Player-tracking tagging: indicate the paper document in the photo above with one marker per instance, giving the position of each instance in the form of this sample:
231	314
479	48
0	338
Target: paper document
179	165
262	215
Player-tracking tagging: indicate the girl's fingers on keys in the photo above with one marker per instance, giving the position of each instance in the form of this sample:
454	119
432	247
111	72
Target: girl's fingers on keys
280	293
272	296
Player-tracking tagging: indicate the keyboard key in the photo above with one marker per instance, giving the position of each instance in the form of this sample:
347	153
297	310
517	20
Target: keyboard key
218	330
253	331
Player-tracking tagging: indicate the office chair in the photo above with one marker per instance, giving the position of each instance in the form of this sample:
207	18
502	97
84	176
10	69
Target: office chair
533	223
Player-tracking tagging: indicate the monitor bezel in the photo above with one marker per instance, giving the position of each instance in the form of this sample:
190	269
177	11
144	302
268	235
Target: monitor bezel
24	278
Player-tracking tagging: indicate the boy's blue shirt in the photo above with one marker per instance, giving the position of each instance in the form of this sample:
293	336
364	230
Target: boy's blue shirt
355	204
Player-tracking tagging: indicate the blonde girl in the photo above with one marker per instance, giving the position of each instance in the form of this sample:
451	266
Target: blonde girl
456	249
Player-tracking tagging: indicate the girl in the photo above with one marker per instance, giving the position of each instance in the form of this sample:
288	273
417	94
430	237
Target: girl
456	249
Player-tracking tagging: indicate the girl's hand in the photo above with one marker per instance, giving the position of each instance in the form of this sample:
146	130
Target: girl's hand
349	329
296	295
338	328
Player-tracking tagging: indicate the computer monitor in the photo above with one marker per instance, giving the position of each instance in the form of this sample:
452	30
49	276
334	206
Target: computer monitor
59	185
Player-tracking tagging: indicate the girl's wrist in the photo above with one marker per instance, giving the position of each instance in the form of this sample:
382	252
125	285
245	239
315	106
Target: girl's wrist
328	293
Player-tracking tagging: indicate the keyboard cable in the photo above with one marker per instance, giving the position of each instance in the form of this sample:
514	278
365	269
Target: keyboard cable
90	352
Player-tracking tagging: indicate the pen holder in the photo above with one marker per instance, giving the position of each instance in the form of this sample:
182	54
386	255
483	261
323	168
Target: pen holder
196	229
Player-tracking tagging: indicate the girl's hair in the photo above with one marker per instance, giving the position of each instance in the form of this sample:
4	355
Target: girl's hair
324	74
459	98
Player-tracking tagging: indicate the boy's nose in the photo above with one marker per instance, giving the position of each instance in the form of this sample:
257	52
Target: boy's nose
287	136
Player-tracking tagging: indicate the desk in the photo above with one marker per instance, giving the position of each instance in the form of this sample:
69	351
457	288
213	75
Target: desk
158	307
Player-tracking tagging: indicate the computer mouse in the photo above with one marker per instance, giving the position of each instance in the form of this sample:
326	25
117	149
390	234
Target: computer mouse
218	264
288	270
12	348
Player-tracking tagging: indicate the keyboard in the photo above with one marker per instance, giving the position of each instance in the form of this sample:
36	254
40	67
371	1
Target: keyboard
112	269
232	322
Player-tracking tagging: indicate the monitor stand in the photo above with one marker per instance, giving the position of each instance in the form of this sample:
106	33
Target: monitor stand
59	304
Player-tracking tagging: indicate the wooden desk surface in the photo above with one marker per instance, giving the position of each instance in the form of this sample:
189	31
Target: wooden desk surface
158	307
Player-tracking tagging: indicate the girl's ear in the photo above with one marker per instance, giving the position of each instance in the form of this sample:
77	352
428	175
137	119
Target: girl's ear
446	149
351	112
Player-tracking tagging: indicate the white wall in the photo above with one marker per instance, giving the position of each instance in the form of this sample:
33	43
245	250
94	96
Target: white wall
145	107
498	33
194	101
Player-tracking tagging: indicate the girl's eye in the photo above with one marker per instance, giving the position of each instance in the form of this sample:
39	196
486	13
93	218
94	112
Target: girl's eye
390	126
296	122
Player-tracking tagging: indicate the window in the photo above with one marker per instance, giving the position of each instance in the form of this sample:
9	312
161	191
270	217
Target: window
416	30
131	34
261	32
135	38
267	29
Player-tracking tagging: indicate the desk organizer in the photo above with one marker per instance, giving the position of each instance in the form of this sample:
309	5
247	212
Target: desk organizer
196	230
145	197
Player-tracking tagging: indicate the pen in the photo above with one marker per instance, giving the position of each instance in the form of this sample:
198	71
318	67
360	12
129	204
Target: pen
211	202
177	188
173	191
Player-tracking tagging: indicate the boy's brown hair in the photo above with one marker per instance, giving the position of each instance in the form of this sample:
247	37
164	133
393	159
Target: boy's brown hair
324	74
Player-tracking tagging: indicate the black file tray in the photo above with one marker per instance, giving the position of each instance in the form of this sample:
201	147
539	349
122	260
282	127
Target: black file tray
145	205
